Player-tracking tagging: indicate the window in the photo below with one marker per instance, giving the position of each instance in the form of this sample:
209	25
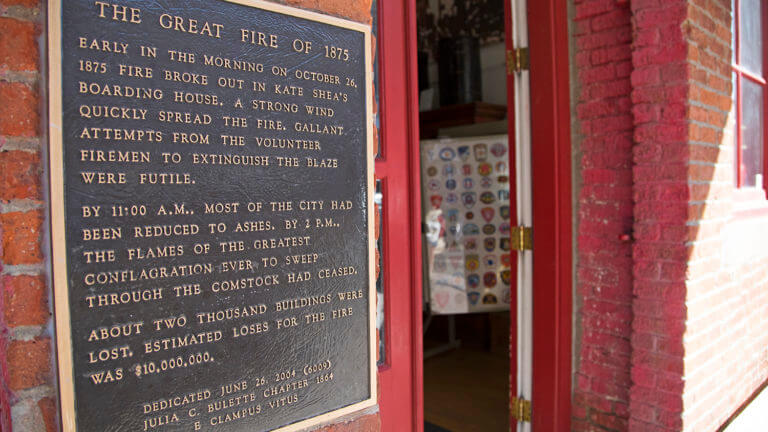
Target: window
749	92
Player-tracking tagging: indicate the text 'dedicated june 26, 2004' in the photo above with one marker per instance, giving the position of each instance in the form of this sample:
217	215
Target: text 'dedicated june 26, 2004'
210	180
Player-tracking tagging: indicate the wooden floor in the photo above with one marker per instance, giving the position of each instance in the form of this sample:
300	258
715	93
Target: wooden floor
466	390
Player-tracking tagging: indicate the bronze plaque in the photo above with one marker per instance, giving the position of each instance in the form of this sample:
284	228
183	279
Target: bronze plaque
211	180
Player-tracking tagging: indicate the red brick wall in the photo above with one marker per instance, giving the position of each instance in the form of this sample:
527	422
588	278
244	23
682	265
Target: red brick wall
27	391
700	327
672	327
27	376
602	63
659	94
726	339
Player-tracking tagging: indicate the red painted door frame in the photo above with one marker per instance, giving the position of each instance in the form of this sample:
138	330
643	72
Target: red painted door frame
552	213
511	129
400	377
401	396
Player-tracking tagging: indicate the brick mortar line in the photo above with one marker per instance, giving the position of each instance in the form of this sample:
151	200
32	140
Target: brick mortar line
30	78
710	182
610	117
708	70
10	143
708	144
27	332
710	89
627	300
24	270
590	117
605	365
706	12
612	301
609	134
706	163
702	105
703	242
709	201
699	44
650	260
704	124
602	34
21	13
698	334
704	329
593	14
587	100
702	366
748	269
720	416
34	393
723	146
20	205
693	244
615	80
705	297
699	222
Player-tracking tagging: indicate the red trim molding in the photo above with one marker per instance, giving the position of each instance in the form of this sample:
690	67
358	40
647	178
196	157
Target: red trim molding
552	263
401	397
412	89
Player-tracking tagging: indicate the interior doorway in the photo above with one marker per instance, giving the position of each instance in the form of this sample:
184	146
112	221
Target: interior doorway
539	372
467	193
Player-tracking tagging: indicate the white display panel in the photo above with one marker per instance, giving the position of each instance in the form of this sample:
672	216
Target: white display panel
466	212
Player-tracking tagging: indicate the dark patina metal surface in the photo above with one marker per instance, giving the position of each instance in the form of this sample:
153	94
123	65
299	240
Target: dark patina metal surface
265	369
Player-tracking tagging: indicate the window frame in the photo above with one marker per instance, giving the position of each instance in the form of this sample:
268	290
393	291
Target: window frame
740	73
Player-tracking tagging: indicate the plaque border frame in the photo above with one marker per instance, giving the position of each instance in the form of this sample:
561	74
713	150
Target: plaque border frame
57	209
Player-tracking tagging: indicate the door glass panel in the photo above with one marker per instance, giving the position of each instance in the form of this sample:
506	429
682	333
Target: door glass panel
378	199
752	133
750	36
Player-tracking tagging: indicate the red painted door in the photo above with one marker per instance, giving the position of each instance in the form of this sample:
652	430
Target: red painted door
398	198
397	173
544	360
539	122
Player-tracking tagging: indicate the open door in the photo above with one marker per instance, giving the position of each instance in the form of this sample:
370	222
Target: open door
518	117
397	172
538	116
539	100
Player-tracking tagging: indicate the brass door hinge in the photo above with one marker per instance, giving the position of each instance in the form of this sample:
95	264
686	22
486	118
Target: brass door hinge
521	238
521	410
517	60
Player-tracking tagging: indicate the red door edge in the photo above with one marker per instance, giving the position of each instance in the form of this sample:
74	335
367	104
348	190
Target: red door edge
552	212
551	159
512	164
401	394
412	82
